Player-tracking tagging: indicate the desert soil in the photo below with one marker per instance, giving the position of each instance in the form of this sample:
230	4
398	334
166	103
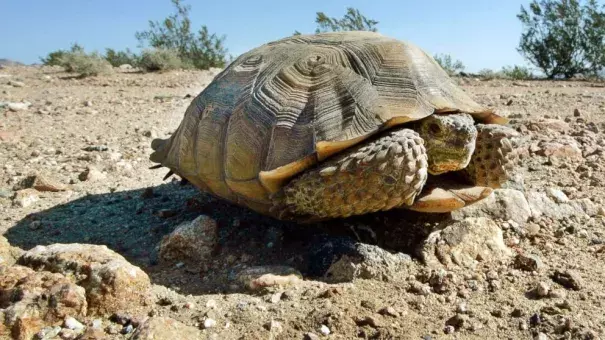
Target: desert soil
93	136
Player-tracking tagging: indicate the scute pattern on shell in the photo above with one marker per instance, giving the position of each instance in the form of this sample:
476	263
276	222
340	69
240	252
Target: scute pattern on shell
274	104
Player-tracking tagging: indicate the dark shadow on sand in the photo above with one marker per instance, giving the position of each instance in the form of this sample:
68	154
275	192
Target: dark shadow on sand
133	222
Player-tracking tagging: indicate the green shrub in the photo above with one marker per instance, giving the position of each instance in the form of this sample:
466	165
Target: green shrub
353	20
517	72
84	64
117	58
160	60
563	38
55	58
202	50
488	74
448	64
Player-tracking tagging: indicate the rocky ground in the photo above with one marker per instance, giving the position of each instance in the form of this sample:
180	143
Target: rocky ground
178	264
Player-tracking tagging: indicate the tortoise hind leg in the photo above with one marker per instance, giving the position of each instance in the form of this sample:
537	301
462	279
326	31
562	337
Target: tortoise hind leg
379	174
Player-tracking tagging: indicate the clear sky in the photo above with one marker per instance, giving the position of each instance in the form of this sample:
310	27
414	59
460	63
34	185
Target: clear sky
481	33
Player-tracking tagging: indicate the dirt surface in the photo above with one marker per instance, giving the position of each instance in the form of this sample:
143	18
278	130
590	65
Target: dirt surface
91	139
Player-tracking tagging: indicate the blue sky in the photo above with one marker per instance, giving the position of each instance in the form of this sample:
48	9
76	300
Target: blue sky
481	33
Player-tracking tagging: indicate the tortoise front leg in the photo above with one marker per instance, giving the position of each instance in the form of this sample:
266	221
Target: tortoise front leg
385	172
494	158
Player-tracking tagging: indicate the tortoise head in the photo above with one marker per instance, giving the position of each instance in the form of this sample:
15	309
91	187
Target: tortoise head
449	140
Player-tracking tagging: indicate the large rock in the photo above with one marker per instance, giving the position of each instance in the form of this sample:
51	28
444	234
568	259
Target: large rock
31	300
163	328
367	262
466	243
556	125
502	204
112	284
8	253
563	148
553	206
190	241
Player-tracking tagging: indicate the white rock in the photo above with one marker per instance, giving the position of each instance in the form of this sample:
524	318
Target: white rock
18	106
324	330
209	323
73	324
542	289
466	243
558	195
503	204
15	83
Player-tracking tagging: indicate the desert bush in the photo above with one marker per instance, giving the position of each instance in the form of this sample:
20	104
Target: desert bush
202	50
516	72
448	64
55	58
160	60
117	58
564	37
487	74
84	64
353	20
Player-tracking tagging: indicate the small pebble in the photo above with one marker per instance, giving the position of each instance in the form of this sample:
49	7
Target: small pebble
275	298
390	311
533	229
542	289
557	294
523	325
311	336
127	329
72	323
541	336
568	279
324	330
211	304
209	323
449	329
274	326
97	323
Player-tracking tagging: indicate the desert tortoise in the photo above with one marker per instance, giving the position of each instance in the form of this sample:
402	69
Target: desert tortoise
335	124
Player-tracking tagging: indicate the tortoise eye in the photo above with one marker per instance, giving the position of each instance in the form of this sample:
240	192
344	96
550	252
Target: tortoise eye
435	128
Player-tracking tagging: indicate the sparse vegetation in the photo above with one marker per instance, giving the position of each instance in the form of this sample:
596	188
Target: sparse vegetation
353	20
55	58
85	64
508	72
487	74
517	72
76	60
202	50
160	60
448	64
564	37
117	58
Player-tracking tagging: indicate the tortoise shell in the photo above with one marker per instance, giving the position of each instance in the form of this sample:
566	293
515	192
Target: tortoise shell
287	105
